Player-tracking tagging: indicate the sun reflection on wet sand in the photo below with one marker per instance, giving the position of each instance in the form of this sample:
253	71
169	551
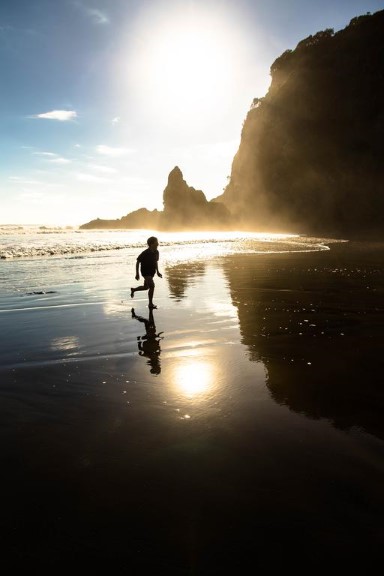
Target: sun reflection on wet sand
194	378
68	344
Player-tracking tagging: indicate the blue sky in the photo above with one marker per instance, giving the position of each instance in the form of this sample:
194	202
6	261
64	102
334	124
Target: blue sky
100	99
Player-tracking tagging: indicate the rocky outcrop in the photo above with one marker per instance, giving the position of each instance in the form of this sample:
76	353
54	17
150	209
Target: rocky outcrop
186	207
310	157
141	218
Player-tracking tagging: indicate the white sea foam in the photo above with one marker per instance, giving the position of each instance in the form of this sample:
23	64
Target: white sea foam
43	242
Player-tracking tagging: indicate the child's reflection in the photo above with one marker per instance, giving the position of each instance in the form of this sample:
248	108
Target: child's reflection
149	344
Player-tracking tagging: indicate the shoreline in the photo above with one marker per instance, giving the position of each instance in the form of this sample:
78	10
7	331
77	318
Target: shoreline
247	427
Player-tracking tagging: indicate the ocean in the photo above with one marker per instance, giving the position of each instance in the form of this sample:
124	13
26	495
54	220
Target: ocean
35	258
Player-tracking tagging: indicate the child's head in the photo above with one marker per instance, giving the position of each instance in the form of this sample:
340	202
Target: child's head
152	240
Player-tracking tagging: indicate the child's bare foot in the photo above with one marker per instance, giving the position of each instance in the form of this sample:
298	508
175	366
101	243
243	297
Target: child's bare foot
152	306
132	292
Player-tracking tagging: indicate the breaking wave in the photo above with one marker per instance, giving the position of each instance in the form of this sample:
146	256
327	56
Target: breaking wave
42	242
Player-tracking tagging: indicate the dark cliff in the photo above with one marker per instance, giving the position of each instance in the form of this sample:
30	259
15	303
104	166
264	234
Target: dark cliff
310	157
186	207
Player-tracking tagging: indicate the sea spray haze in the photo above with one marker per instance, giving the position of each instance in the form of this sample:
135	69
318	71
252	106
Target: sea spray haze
310	157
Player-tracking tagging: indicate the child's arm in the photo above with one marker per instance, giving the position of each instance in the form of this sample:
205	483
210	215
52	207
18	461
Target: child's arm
157	267
137	270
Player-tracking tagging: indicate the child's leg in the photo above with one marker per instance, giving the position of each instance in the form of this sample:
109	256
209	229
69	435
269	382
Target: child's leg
133	290
151	290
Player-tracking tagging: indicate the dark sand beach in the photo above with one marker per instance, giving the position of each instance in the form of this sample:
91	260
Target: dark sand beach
244	433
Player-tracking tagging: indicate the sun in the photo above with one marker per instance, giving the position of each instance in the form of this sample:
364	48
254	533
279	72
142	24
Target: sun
185	65
189	70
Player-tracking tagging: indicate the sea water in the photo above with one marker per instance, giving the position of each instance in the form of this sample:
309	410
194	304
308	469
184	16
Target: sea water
34	241
35	259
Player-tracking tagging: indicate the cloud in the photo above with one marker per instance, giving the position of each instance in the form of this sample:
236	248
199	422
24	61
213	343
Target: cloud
60	115
21	180
53	158
113	152
116	120
96	15
104	169
59	160
91	178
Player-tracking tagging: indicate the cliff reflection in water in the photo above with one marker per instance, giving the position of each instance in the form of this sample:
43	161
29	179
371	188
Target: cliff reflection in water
181	276
318	329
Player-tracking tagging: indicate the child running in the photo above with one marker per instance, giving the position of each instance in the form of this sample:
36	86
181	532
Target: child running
147	261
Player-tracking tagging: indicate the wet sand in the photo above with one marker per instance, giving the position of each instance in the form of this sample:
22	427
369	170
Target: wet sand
245	428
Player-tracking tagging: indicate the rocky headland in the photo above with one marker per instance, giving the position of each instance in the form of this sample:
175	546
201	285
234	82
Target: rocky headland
310	156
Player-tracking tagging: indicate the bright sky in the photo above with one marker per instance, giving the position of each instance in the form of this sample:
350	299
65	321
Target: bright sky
100	99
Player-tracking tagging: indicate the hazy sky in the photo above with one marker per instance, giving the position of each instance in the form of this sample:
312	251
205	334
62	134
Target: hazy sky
100	99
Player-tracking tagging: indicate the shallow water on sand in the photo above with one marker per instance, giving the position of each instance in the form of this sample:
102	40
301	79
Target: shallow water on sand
241	423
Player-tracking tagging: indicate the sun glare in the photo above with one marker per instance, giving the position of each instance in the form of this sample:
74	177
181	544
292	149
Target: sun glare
194	378
188	70
185	65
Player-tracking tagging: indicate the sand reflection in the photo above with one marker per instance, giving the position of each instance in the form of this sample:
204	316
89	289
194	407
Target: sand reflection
149	343
194	378
318	329
67	344
182	276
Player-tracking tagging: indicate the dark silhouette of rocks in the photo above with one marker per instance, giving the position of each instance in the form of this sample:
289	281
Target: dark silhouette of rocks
141	218
184	208
310	156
